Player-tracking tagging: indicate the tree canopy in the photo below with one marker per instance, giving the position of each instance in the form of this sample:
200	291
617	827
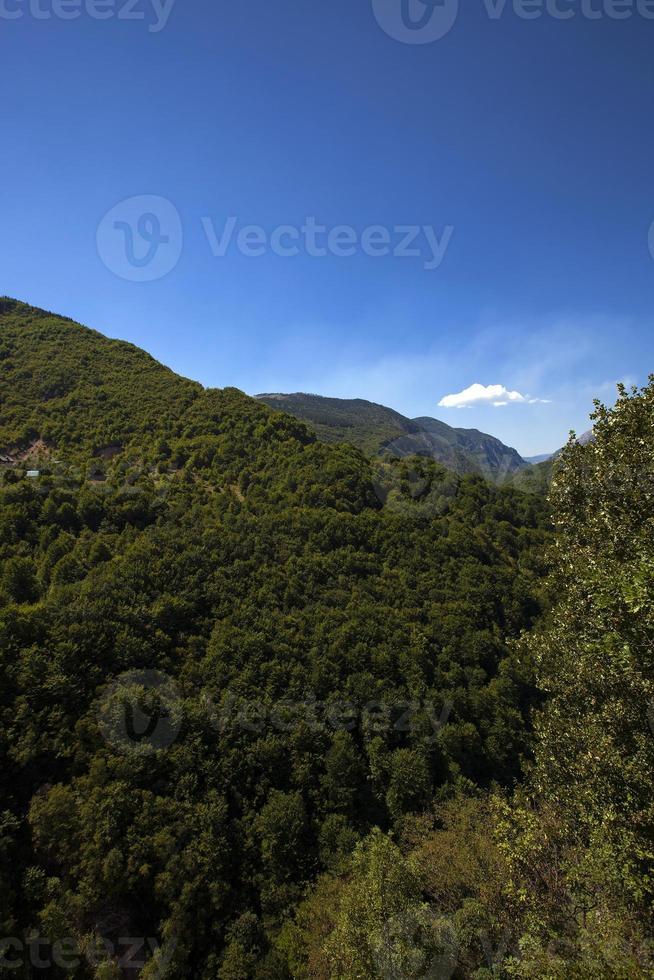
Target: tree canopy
283	710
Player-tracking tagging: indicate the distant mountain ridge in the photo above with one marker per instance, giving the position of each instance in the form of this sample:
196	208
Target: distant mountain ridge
375	428
537	477
534	460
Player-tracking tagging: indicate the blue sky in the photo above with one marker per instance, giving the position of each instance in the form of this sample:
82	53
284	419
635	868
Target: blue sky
524	147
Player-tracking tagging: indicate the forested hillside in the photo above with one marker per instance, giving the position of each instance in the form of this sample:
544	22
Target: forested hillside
555	880
377	430
269	704
77	390
327	648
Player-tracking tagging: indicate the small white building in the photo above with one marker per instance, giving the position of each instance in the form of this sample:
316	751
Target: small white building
33	474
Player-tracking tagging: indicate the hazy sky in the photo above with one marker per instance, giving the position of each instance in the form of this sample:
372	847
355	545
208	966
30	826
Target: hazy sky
511	158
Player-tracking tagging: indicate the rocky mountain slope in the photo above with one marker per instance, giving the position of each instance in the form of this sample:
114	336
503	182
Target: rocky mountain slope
376	429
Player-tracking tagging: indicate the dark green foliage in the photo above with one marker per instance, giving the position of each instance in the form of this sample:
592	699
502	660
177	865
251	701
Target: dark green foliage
556	881
367	426
71	387
290	624
377	430
536	478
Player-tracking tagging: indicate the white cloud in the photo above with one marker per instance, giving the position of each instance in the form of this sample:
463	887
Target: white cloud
476	394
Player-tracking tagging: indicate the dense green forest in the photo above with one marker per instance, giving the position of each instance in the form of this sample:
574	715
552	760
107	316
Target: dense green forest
284	710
